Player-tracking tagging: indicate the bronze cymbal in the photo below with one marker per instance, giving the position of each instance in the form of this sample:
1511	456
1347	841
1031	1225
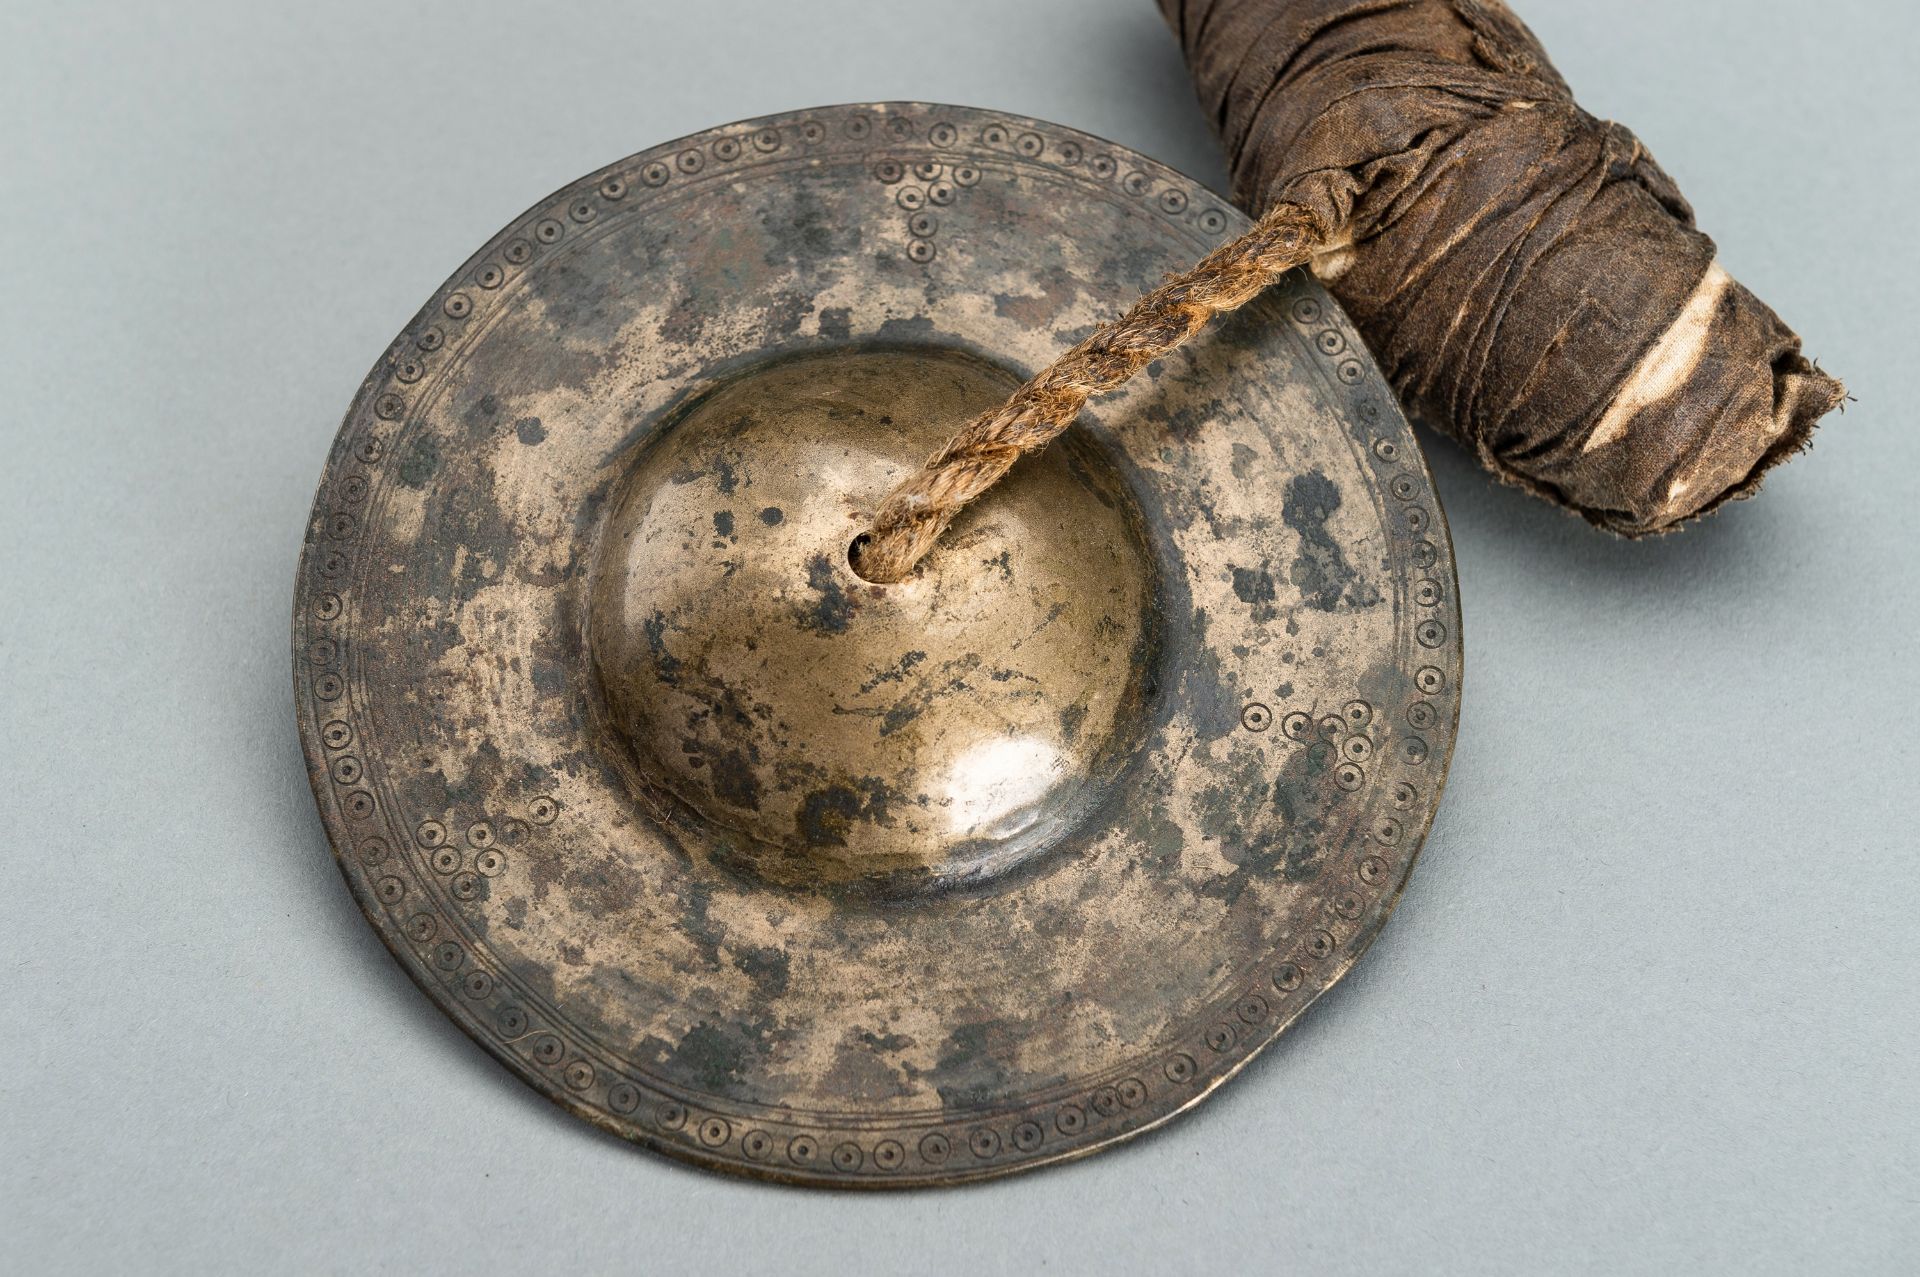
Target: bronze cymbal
788	874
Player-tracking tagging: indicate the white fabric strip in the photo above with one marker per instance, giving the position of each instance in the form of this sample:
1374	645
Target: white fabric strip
1666	367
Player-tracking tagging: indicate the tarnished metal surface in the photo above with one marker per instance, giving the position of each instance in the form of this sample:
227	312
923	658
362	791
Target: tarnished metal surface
888	740
792	875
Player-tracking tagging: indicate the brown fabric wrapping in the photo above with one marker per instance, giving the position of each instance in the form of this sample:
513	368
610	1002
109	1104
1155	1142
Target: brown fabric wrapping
1527	275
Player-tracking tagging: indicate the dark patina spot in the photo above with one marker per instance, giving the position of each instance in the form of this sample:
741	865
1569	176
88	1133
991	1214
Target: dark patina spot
712	1058
908	329
827	814
1186	421
767	966
734	780
1320	570
969	1071
421	461
834	609
894	674
1293	844
899	716
655	628
1243	457
1254	585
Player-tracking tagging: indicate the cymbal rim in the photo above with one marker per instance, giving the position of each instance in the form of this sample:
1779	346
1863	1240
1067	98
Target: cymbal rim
380	840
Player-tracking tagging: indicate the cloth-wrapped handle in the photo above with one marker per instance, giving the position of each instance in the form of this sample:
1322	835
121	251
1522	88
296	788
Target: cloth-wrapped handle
1529	278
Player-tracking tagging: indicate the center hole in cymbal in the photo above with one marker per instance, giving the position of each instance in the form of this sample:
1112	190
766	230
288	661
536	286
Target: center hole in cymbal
854	547
855	550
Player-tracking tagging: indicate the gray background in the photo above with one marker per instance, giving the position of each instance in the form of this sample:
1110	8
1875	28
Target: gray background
1649	1003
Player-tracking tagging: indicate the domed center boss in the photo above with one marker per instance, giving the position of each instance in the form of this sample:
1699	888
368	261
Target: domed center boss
899	738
